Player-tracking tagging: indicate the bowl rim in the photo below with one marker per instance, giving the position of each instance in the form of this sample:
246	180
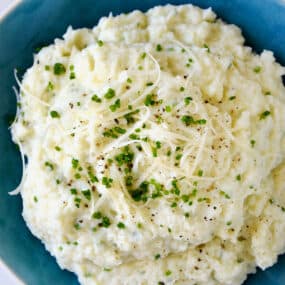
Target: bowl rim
3	14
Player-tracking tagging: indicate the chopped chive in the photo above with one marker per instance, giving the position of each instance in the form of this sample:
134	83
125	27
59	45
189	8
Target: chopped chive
87	194
201	122
50	86
157	256
187	100
77	176
74	163
110	93
54	114
72	75
49	165
257	69
264	115
149	100
129	180
206	47
115	106
107	182
223	193
96	99
77	202
185	198
134	137
168	272
100	43
97	215
59	69
105	222
154	152
120	130
121	225
168	109
139	225
158	144
252	143
189	120
159	48
57	148
178	156
73	191
200	172
77	226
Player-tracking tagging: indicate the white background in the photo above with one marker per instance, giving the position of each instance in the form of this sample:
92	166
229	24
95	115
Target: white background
4	3
6	278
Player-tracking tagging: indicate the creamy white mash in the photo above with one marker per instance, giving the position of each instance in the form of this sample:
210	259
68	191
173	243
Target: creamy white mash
155	146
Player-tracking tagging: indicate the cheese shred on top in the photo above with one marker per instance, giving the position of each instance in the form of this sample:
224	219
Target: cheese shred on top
155	146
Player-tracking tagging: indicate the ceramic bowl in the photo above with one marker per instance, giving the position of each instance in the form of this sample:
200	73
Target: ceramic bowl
32	23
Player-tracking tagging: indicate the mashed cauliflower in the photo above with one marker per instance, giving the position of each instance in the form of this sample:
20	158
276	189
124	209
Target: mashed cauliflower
155	146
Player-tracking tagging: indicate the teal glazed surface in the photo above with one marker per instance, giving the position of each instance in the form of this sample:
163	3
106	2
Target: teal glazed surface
37	22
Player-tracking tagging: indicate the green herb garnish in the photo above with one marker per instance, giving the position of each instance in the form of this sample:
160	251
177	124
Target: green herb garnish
264	115
96	99
100	43
257	69
115	106
54	114
97	215
121	225
59	69
107	182
159	47
110	93
86	194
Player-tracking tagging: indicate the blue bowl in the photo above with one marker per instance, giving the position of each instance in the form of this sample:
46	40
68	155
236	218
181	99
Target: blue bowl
33	23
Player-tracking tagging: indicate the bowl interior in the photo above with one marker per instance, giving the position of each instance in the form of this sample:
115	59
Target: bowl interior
34	23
